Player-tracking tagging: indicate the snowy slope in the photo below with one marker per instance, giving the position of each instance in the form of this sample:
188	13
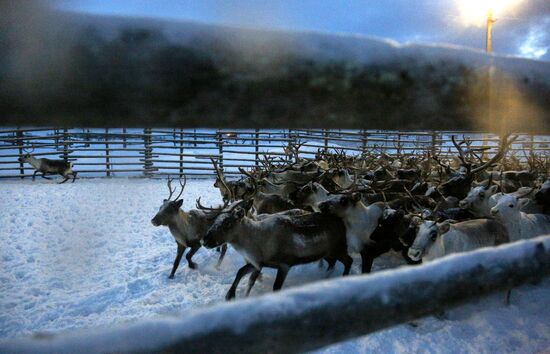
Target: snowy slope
85	255
319	45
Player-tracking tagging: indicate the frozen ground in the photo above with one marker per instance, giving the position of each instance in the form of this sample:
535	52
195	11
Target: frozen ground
85	255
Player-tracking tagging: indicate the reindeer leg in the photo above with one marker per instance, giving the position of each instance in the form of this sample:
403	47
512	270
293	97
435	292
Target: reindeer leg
74	177
181	249
190	254
34	175
347	261
222	254
66	178
282	271
247	268
252	280
366	260
331	263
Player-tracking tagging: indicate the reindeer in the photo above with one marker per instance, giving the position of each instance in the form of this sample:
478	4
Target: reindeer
460	182
48	166
435	240
520	225
513	180
278	241
311	195
187	228
230	190
481	199
360	221
394	231
266	203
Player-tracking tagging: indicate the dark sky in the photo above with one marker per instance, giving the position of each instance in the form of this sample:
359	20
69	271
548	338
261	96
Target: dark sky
522	29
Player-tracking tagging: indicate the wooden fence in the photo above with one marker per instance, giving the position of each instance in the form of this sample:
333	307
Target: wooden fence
156	152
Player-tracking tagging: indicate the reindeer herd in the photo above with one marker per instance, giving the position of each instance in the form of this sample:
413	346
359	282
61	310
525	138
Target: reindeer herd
331	207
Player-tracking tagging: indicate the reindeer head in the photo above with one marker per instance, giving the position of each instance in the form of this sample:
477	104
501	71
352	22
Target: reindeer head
220	231
169	208
27	157
24	158
302	195
508	207
428	232
478	197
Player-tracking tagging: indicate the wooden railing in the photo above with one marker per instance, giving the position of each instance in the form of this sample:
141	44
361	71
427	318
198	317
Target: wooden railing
155	152
315	315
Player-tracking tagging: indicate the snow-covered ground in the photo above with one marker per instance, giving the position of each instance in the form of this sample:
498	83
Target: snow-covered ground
86	255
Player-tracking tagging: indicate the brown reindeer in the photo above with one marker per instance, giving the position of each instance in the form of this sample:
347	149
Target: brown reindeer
278	241
187	228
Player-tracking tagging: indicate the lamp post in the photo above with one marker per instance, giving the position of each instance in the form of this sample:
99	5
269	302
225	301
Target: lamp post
489	39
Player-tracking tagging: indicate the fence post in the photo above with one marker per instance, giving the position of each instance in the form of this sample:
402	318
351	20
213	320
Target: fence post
219	142
257	148
398	145
65	144
326	140
148	152
364	142
56	138
532	148
181	152
434	144
20	142
107	159
124	138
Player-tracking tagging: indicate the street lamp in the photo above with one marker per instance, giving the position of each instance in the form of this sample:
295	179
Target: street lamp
480	12
485	12
489	36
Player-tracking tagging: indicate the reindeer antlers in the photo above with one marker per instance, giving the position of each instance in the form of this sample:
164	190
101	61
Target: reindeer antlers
169	183
222	179
505	144
27	151
202	207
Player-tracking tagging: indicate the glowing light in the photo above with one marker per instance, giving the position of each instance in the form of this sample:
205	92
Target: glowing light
475	12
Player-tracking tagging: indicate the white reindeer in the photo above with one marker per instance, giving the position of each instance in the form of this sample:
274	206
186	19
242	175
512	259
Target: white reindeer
435	240
520	225
480	200
360	221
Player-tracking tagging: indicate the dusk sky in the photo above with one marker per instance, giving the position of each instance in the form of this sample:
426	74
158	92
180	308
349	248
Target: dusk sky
522	28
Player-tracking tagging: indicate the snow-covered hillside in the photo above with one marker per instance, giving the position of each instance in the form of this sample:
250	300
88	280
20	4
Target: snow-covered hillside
85	255
319	45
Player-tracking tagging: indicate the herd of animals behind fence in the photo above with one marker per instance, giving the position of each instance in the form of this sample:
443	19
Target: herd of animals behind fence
156	152
332	206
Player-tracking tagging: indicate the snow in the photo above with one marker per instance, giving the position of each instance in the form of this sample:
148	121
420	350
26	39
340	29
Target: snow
86	255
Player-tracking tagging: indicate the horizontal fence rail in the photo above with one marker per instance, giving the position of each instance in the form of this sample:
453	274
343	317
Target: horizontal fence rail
315	315
157	152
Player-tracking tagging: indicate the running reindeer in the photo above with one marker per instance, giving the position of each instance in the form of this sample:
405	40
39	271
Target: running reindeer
49	167
187	228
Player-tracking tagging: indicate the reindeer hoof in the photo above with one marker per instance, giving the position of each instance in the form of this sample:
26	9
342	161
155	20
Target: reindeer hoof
230	295
192	265
171	276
